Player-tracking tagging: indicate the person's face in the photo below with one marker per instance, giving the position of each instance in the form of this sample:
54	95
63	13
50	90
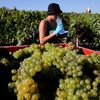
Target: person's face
54	16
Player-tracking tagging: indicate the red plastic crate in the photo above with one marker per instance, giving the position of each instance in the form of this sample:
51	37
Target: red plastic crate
13	48
86	51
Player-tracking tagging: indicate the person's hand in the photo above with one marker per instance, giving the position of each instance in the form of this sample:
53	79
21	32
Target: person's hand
67	33
64	33
59	28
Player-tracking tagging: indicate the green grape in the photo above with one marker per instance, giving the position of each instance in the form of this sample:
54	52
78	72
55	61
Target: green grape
95	72
11	85
97	79
84	96
35	97
75	97
38	68
32	71
88	87
5	61
13	71
95	83
14	77
80	73
18	54
27	96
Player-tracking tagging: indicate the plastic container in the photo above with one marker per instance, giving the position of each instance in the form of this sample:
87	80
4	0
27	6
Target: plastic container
85	51
13	48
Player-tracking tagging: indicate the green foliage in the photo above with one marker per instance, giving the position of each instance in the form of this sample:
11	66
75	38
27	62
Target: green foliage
87	28
20	27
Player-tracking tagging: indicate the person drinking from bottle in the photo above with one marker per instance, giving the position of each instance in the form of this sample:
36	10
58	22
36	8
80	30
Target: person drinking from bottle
51	28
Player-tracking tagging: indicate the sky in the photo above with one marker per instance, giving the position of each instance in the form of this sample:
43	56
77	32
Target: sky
79	6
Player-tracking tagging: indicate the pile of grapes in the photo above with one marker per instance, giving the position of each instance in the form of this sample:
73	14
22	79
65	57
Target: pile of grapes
52	72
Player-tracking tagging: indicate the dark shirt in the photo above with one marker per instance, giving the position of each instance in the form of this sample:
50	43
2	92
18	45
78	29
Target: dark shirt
50	29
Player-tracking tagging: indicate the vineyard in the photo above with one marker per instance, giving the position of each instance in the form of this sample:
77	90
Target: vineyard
21	27
30	71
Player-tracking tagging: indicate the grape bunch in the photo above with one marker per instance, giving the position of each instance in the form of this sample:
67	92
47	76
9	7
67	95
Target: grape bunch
80	73
24	85
27	89
82	79
25	52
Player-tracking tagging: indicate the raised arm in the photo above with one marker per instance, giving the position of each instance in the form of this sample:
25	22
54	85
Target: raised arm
42	33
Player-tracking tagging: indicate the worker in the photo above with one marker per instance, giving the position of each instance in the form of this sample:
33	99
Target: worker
51	28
